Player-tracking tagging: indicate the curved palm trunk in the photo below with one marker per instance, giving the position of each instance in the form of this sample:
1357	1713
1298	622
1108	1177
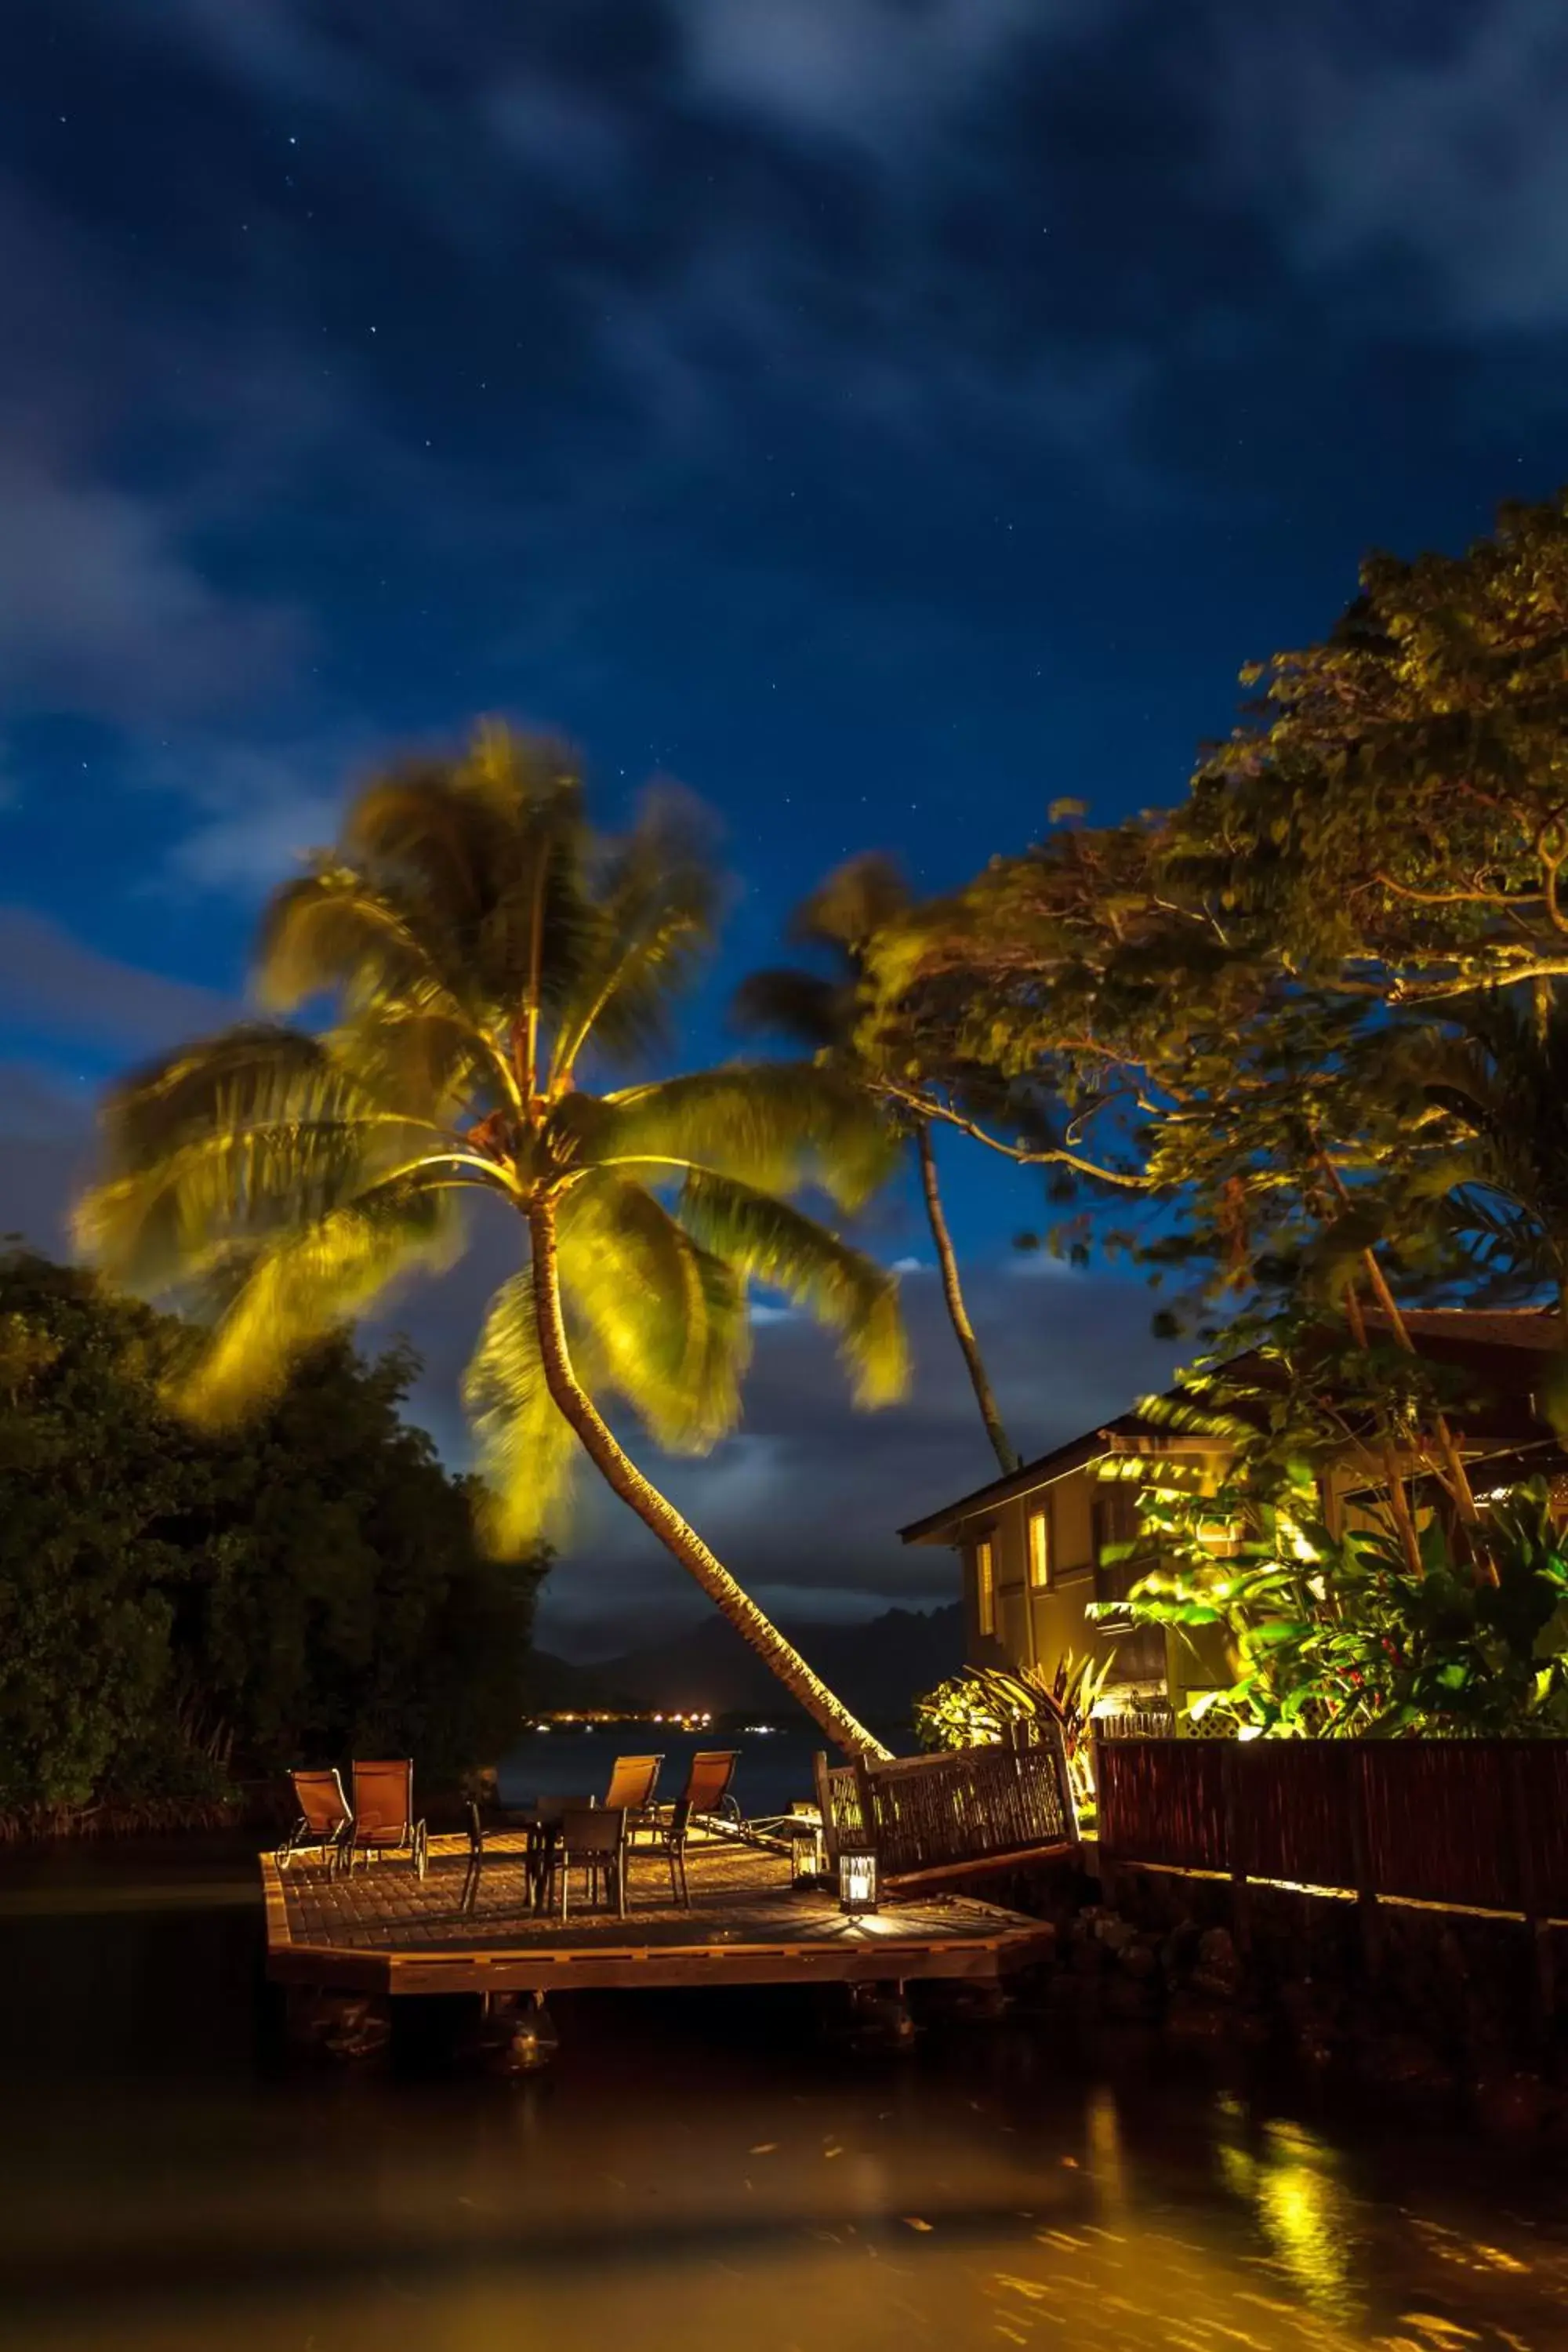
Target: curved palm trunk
622	1473
980	1380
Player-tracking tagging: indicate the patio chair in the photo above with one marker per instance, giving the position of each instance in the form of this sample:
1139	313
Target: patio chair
383	1819
668	1834
594	1839
632	1784
324	1817
706	1795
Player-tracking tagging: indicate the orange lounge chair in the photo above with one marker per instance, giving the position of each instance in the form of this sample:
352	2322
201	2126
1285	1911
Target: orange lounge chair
324	1818
383	1819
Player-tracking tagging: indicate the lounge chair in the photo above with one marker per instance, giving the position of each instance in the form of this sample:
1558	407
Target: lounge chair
706	1795
592	1838
383	1819
324	1818
632	1784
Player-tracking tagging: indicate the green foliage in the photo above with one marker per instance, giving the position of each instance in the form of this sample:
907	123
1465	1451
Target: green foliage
1333	1637
1222	991
179	1608
982	1706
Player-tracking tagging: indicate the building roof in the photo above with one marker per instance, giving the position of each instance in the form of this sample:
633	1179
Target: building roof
1503	1346
1128	1433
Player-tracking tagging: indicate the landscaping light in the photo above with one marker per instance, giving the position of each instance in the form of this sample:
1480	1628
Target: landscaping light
857	1880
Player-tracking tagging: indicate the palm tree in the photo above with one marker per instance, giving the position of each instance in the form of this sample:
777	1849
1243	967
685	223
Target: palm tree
860	900
480	944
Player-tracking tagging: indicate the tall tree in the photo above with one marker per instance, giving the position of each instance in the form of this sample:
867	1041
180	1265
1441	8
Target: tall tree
483	947
1394	808
826	1013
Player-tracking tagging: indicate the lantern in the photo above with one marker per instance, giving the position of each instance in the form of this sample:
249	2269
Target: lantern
857	1880
805	1832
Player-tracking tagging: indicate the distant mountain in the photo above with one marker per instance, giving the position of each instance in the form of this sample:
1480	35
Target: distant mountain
877	1667
553	1685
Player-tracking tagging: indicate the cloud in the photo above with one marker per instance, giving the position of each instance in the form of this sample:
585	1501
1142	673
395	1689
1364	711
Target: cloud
1443	150
108	607
873	74
806	1499
257	810
104	611
56	989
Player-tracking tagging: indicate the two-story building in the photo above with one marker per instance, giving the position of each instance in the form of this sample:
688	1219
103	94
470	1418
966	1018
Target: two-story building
1034	1544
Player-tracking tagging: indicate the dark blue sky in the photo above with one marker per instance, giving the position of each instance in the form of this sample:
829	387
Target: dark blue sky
887	417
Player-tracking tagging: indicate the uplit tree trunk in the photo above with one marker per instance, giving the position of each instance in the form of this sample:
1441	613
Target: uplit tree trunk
946	1259
619	1471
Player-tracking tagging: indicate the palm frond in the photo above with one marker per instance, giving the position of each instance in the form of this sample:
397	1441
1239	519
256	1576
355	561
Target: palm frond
236	1136
658	1318
652	914
773	1125
859	898
527	1453
771	1243
801	1006
281	1295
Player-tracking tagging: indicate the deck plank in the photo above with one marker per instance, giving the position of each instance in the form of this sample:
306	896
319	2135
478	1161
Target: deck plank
383	1930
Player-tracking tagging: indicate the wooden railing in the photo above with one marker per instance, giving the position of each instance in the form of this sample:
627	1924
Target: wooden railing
961	1811
1477	1824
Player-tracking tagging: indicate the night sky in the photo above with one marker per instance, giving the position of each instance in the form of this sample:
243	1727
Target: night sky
886	417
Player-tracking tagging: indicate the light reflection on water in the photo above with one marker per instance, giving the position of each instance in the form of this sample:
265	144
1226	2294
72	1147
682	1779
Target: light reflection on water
696	2172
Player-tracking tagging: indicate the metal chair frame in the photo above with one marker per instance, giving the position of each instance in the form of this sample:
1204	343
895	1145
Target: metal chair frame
596	1837
394	1836
307	1834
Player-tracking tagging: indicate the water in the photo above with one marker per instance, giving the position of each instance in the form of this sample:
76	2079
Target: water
696	2172
774	1768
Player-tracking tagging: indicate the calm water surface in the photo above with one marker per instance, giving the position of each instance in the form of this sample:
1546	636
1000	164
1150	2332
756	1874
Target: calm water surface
693	2173
774	1767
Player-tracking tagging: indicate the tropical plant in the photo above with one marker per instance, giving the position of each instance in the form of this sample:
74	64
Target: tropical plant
826	1013
982	1706
1333	1636
482	946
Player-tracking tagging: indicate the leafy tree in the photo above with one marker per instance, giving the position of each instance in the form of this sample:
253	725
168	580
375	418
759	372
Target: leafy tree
176	1605
825	1013
482	946
1393	810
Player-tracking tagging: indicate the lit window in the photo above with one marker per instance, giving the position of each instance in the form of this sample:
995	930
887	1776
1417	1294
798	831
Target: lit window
986	1586
1039	1549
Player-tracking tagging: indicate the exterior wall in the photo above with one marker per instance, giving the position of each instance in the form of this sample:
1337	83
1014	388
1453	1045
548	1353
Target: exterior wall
1037	1626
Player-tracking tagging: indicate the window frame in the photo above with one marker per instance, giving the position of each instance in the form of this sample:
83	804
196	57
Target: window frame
983	1553
1041	1566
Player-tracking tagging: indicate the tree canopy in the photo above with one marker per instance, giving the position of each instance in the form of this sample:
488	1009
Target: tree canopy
180	1607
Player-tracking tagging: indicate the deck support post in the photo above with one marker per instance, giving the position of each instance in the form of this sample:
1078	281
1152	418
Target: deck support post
337	2023
880	2015
517	2033
1537	1923
1360	1864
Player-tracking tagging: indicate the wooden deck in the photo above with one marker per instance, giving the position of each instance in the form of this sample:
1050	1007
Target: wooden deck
382	1931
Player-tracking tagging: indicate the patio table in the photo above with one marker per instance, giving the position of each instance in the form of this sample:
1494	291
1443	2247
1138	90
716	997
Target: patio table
542	1820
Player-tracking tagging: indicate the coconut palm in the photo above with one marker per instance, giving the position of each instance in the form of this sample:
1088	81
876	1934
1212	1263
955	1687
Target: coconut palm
479	946
825	1013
